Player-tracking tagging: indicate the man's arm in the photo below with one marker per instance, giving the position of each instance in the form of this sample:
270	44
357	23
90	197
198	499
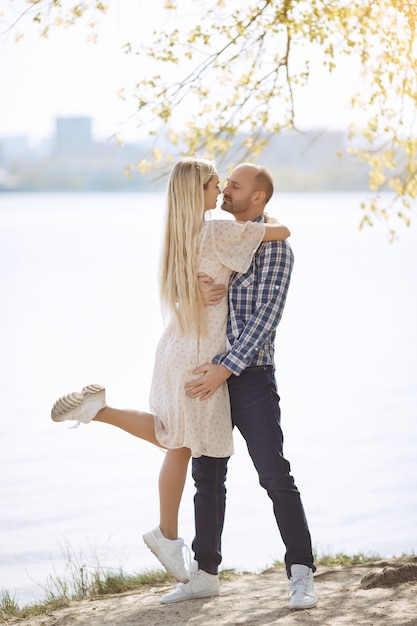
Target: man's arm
213	376
211	292
275	263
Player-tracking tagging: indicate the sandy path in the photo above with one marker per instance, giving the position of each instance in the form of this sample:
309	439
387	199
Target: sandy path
260	600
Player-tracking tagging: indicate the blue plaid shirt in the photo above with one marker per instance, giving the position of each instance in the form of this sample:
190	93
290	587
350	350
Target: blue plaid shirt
256	304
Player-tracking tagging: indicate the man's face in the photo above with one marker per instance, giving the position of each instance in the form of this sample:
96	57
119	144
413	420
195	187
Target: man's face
238	193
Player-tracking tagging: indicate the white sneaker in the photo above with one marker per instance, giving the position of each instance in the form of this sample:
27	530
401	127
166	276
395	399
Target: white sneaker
302	594
81	407
201	585
169	552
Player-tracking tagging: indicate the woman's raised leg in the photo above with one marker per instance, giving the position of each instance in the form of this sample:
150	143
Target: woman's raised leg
90	405
137	423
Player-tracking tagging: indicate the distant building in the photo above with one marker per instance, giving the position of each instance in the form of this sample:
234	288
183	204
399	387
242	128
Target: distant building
71	160
73	135
13	148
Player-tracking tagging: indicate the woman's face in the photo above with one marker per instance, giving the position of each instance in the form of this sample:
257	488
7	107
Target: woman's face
211	193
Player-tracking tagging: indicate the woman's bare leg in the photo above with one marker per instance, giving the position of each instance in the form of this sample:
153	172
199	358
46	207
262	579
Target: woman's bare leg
174	467
137	423
171	485
90	405
164	541
86	407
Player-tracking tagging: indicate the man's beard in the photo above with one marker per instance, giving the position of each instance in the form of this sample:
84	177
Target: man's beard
236	207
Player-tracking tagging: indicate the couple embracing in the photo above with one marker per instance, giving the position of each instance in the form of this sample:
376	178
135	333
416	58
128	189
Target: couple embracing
224	284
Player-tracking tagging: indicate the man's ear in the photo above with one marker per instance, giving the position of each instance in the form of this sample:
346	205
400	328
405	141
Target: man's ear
259	197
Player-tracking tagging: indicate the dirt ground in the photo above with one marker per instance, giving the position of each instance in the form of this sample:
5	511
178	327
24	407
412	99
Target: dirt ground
383	593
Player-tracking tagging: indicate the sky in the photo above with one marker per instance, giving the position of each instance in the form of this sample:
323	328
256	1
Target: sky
65	75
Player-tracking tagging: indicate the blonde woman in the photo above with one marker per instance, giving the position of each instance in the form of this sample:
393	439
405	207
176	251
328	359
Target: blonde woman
184	427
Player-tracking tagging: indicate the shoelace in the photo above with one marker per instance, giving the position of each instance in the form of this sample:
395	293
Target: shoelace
301	585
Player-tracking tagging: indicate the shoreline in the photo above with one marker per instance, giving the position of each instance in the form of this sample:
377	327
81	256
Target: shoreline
377	593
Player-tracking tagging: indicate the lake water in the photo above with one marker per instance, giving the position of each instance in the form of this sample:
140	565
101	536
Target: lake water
79	304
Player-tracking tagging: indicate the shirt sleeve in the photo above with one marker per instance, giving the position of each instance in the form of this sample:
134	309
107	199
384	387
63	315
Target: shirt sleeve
274	263
235	244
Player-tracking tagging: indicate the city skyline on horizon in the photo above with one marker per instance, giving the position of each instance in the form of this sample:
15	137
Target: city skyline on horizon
73	160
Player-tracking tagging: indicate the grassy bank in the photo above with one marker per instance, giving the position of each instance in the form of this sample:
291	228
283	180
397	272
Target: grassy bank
81	583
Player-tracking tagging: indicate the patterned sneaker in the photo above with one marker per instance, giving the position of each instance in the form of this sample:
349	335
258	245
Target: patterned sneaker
169	552
81	407
201	585
302	594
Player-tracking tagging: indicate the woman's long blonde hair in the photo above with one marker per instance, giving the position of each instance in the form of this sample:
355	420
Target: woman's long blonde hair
180	293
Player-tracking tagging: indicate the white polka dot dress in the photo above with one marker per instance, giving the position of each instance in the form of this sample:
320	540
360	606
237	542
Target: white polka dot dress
204	426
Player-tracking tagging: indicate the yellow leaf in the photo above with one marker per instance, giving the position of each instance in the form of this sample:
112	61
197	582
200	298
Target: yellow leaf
144	166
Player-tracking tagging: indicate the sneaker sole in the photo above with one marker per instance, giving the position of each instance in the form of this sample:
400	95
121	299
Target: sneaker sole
152	544
310	605
68	406
194	596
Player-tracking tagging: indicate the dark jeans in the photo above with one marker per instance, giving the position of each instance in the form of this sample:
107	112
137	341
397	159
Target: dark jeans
256	413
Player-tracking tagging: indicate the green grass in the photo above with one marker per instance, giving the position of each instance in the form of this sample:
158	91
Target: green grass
80	582
83	582
339	558
347	560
